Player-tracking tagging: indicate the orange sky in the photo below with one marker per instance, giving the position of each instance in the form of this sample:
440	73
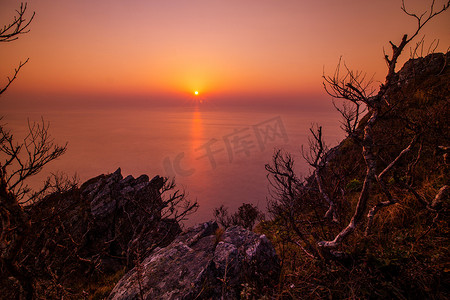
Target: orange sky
227	50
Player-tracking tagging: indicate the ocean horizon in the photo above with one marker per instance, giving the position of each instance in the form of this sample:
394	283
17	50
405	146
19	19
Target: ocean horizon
217	155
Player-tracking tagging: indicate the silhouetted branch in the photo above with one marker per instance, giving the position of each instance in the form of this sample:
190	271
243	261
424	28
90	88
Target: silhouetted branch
315	158
352	85
21	161
286	193
27	158
245	216
10	32
398	49
11	79
371	163
176	204
58	182
421	21
351	113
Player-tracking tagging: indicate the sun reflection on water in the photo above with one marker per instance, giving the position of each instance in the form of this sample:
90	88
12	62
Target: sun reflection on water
196	129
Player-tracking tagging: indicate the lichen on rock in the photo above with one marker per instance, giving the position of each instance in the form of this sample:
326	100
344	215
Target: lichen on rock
195	266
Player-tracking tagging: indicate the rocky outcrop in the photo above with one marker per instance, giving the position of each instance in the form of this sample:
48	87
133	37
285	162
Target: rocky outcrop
421	67
99	227
84	236
127	211
204	263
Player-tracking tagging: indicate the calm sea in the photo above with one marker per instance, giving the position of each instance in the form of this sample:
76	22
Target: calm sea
217	155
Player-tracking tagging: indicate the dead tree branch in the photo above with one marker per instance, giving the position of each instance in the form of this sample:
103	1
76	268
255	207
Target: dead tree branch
21	161
390	200
11	79
316	158
11	32
351	87
176	204
27	158
19	25
286	194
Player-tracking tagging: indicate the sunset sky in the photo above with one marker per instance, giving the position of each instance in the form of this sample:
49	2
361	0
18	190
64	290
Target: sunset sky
235	50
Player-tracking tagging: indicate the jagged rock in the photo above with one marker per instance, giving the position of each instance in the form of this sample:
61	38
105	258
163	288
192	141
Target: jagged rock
98	226
432	64
202	263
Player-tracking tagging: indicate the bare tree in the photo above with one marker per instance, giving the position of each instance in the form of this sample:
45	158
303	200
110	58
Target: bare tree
20	161
354	88
246	216
27	158
11	32
176	203
297	206
316	158
289	201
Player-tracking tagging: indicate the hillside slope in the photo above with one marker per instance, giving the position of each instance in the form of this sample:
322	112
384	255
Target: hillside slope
405	253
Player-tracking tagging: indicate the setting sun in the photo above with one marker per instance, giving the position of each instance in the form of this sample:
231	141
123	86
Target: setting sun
162	173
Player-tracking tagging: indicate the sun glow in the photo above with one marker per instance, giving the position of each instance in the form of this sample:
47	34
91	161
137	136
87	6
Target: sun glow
196	92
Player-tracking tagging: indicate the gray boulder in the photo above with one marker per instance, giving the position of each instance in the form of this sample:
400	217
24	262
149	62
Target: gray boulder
204	262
